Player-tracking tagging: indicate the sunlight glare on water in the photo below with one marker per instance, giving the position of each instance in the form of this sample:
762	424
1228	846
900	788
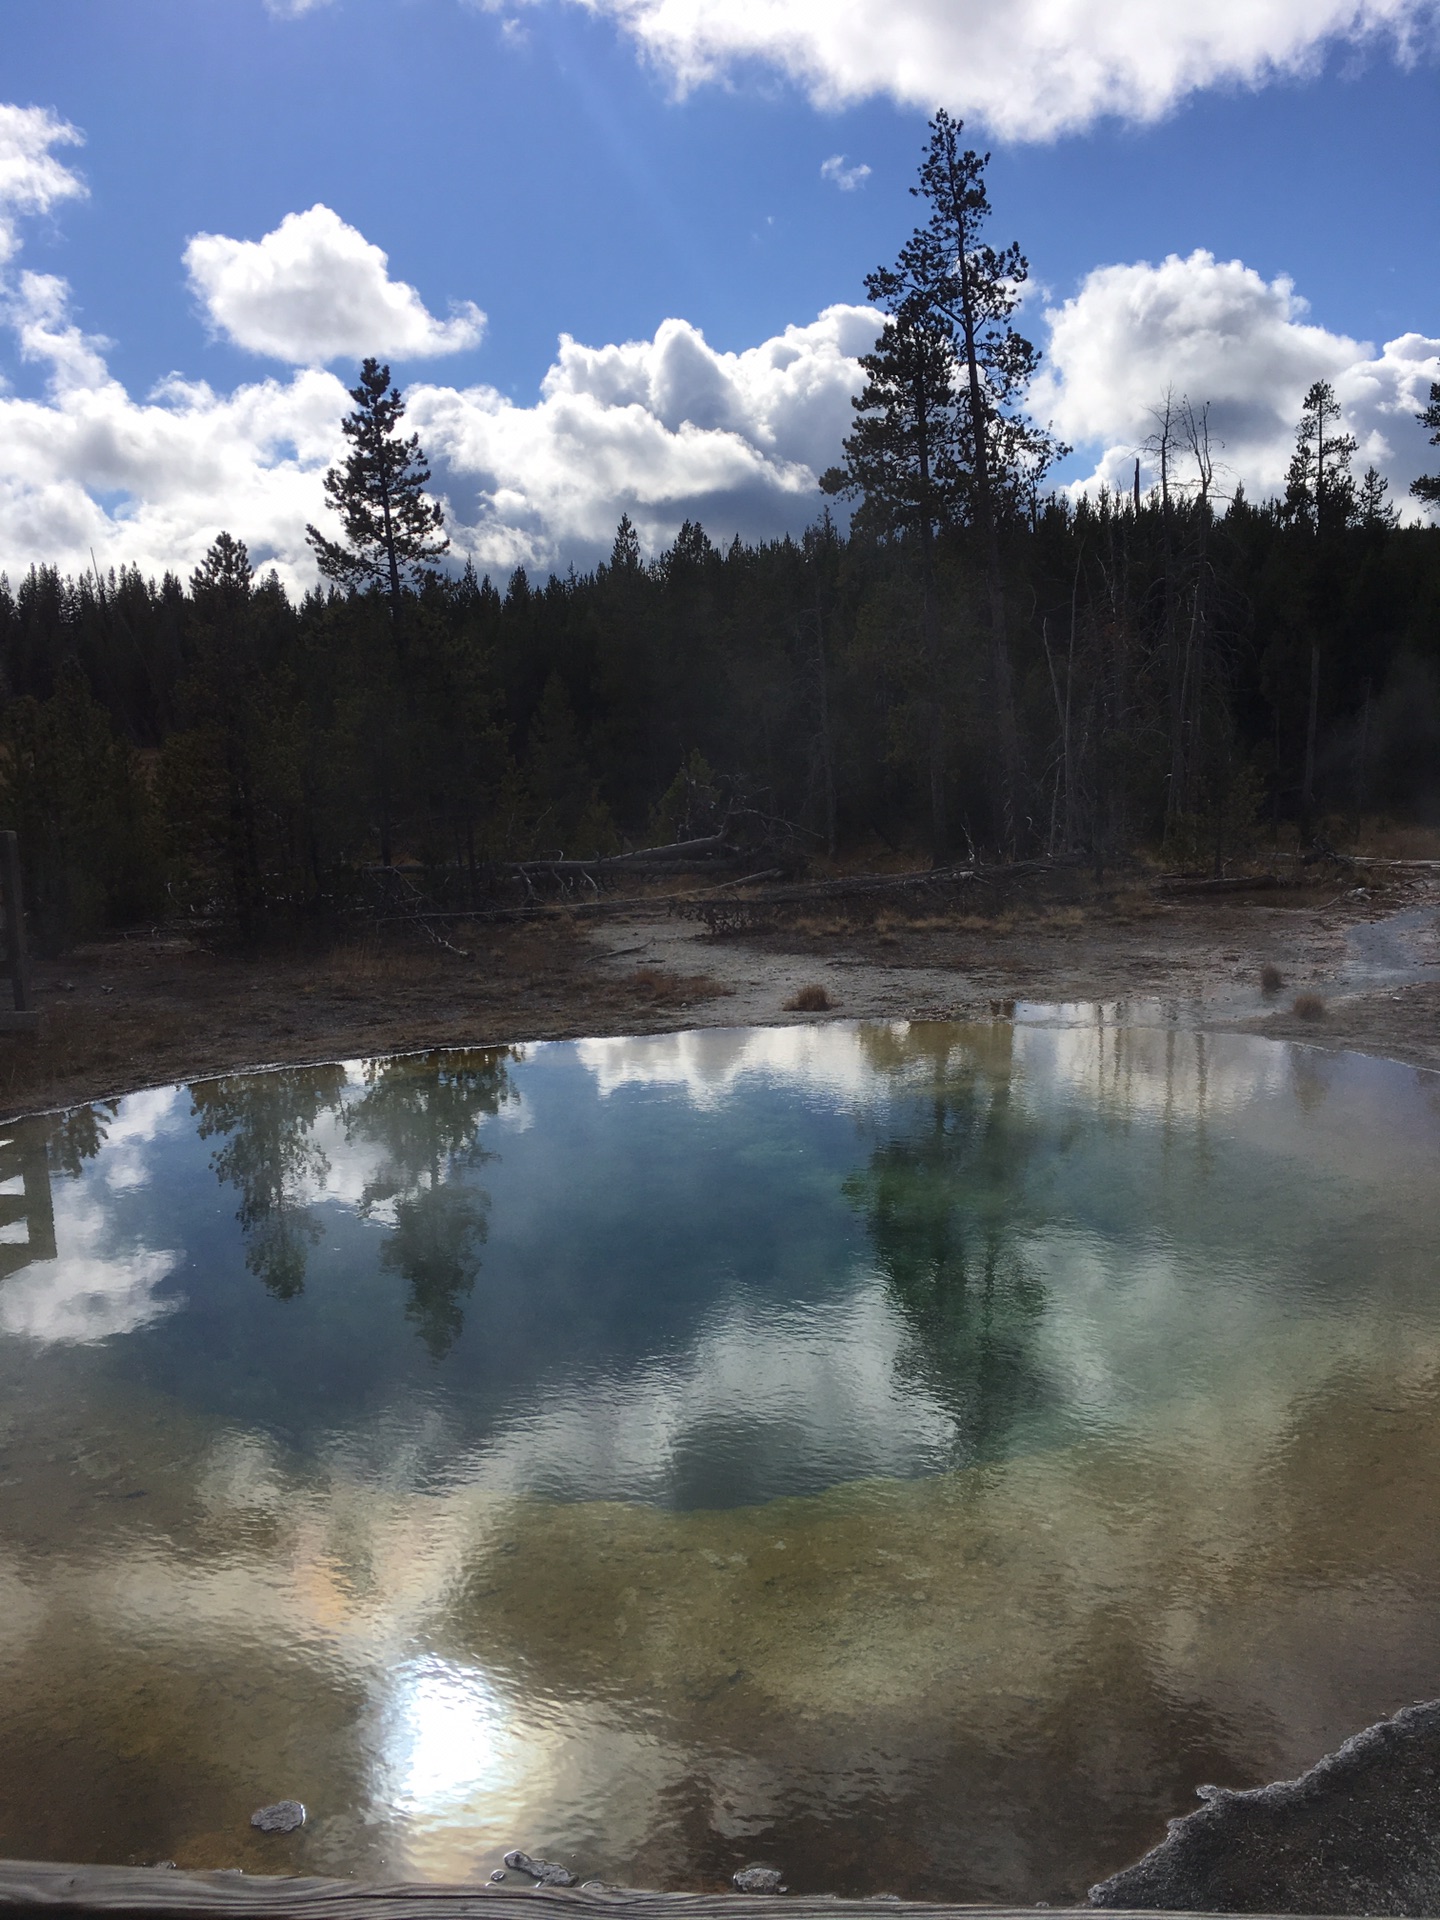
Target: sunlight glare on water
920	1455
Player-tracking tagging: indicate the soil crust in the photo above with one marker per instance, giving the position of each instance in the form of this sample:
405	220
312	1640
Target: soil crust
162	1006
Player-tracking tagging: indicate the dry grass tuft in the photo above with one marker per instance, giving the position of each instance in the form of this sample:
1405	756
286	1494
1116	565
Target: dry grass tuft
1271	978
812	999
660	988
1308	1006
369	964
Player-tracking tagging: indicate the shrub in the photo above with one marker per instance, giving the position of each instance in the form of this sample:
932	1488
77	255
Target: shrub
1308	1006
812	999
1271	978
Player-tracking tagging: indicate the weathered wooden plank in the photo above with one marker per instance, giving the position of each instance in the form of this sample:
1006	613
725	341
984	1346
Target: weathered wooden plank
35	1886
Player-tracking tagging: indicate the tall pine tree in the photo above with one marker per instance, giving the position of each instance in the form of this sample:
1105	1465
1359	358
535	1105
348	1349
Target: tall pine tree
392	529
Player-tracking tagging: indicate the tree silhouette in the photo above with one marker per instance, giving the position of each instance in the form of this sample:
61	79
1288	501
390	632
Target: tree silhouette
1427	486
1319	502
393	530
903	458
965	452
1319	487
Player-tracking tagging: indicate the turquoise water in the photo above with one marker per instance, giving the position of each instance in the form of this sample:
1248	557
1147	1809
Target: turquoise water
919	1455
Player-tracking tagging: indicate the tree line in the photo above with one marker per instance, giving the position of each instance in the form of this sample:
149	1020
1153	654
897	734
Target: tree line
974	663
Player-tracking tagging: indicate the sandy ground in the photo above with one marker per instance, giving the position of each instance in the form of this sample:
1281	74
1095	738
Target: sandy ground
147	1009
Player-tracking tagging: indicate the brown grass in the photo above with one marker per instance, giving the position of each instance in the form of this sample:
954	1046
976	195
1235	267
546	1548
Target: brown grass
1271	978
657	987
811	999
1308	1006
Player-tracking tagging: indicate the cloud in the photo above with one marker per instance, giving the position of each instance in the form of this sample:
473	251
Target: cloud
317	290
666	428
1030	69
846	178
32	180
94	1290
38	308
663	429
151	482
1216	331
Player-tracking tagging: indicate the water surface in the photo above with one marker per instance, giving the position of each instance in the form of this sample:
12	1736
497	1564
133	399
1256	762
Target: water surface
919	1455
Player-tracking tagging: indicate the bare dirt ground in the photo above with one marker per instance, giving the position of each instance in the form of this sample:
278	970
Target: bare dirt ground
144	1010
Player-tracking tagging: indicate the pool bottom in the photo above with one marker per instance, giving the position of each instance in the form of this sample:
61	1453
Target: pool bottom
939	1688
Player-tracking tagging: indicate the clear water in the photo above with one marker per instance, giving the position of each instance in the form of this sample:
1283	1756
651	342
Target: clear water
916	1456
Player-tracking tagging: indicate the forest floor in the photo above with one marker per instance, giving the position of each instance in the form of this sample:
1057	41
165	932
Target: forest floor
133	1012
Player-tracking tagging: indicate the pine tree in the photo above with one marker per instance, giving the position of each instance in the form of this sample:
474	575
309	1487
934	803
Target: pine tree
1319	488
977	288
1320	500
1372	510
902	458
967	454
625	554
1427	487
393	531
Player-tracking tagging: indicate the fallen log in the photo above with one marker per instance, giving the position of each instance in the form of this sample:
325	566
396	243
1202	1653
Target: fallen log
1181	886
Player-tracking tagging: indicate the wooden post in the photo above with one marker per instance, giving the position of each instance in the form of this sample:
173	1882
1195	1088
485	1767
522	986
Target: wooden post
17	957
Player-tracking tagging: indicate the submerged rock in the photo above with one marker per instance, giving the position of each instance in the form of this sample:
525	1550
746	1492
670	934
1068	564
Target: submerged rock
757	1880
543	1872
284	1817
1358	1833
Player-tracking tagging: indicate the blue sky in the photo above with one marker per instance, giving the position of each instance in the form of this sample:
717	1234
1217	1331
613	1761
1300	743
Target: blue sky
547	165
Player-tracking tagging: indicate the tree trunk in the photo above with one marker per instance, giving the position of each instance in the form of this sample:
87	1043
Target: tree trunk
1307	791
930	615
1009	738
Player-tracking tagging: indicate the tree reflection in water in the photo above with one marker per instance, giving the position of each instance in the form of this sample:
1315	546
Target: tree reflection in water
424	1112
77	1135
947	1200
271	1158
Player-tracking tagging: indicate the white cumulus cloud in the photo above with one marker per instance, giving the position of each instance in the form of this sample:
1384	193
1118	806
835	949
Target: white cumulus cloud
664	429
846	178
317	290
1215	331
151	482
32	180
1029	69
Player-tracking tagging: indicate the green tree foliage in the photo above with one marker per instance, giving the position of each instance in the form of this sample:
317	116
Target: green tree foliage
902	459
1427	486
1187	672
425	1114
392	530
231	774
944	1201
78	797
567	815
1320	488
269	1154
942	440
1320	504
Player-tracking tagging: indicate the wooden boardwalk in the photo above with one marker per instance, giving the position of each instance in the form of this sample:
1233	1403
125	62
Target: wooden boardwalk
35	1887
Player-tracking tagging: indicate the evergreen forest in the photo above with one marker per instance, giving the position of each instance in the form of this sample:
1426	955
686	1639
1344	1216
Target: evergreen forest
970	666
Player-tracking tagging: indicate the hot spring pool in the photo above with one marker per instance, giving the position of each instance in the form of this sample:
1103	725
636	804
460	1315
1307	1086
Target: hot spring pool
918	1456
